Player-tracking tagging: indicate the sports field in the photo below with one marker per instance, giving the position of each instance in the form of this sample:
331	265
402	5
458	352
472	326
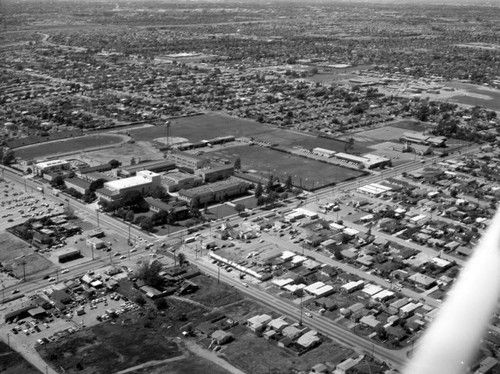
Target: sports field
211	125
305	172
67	145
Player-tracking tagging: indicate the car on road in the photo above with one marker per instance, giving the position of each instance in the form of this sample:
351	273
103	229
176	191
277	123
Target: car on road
123	257
52	279
15	291
308	314
65	271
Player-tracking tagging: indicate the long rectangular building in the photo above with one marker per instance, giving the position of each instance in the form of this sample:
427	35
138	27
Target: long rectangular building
214	192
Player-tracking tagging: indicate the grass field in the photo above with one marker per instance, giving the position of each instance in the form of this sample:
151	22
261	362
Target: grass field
305	172
67	145
12	362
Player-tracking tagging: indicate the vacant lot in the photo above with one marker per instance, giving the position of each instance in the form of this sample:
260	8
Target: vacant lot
67	145
12	247
214	294
305	172
12	362
27	265
108	348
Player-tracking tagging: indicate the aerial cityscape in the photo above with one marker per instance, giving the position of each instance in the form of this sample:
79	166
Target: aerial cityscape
249	187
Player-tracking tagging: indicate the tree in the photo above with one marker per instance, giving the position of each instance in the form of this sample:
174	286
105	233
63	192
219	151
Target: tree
129	216
270	184
8	157
237	164
58	182
114	163
240	208
288	183
98	183
182	258
140	300
258	190
161	303
133	161
147	224
149	272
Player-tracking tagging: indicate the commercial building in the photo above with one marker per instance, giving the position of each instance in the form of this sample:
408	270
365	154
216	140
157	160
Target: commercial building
214	192
51	166
144	182
368	160
69	254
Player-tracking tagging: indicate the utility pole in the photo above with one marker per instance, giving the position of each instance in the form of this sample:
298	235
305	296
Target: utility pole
97	216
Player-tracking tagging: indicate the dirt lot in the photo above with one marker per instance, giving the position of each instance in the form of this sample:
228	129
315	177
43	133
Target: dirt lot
12	362
124	153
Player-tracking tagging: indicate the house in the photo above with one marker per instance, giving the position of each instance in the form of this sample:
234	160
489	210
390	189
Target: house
259	322
292	332
487	365
422	281
319	369
221	337
278	324
347	366
369	321
309	340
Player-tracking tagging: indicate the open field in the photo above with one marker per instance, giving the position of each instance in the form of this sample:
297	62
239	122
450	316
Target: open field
67	145
12	362
305	172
